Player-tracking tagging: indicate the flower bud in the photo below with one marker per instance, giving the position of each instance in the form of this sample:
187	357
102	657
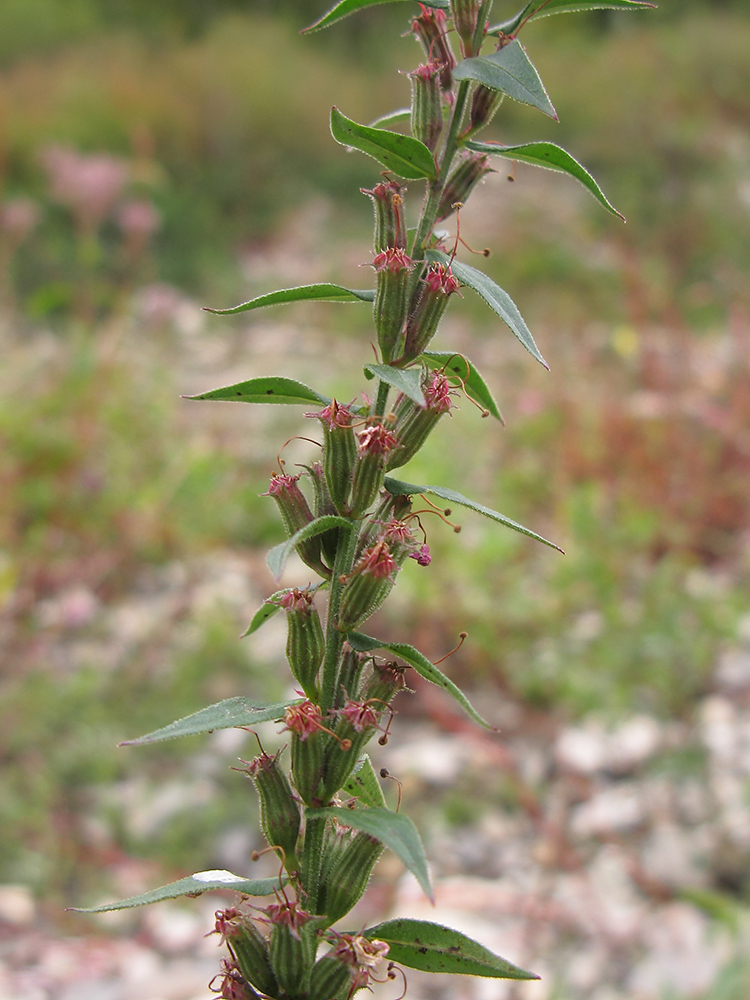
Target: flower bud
392	269
347	866
305	644
426	105
435	288
295	513
357	724
390	227
339	452
383	682
431	30
462	182
374	444
414	423
248	947
367	586
279	811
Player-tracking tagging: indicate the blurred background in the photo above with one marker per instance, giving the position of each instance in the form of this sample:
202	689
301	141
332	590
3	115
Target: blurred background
157	156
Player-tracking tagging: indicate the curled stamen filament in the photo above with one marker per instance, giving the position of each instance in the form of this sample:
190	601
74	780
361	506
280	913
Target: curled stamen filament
461	637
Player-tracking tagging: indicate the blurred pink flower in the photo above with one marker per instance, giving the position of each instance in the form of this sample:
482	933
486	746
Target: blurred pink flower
89	184
18	216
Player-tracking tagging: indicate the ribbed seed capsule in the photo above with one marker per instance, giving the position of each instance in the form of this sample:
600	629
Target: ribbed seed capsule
280	817
374	443
305	722
414	423
431	28
368	585
426	104
462	182
249	948
350	671
292	947
331	977
322	505
484	105
232	984
295	513
383	682
358	723
390	227
347	867
465	14
305	644
392	269
435	288
339	452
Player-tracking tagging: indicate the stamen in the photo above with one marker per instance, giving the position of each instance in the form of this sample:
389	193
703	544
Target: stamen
385	773
461	636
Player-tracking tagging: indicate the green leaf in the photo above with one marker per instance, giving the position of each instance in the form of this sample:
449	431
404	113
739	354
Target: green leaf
511	72
543	8
267	389
424	667
223	715
547	154
401	154
398	488
392	118
392	829
420	944
193	885
363	785
269	608
347	7
498	300
277	557
407	381
325	292
465	374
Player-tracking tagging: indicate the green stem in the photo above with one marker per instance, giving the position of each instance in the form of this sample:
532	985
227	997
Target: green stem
334	638
435	189
382	399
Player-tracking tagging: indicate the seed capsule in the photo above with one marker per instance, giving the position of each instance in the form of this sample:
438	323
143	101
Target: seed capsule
322	505
305	722
426	104
305	644
280	817
465	14
390	227
331	977
368	585
374	444
292	946
248	947
414	423
347	866
295	513
392	269
465	177
484	105
435	288
431	29
339	452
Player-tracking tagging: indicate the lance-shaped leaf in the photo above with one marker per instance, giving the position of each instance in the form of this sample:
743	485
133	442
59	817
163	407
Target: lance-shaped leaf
192	885
223	715
424	667
347	7
395	830
465	374
420	944
406	381
363	786
511	72
543	8
547	154
498	300
402	154
324	292
398	488
392	118
277	557
267	389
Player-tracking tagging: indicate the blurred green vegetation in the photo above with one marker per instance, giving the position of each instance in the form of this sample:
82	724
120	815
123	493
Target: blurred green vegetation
632	455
